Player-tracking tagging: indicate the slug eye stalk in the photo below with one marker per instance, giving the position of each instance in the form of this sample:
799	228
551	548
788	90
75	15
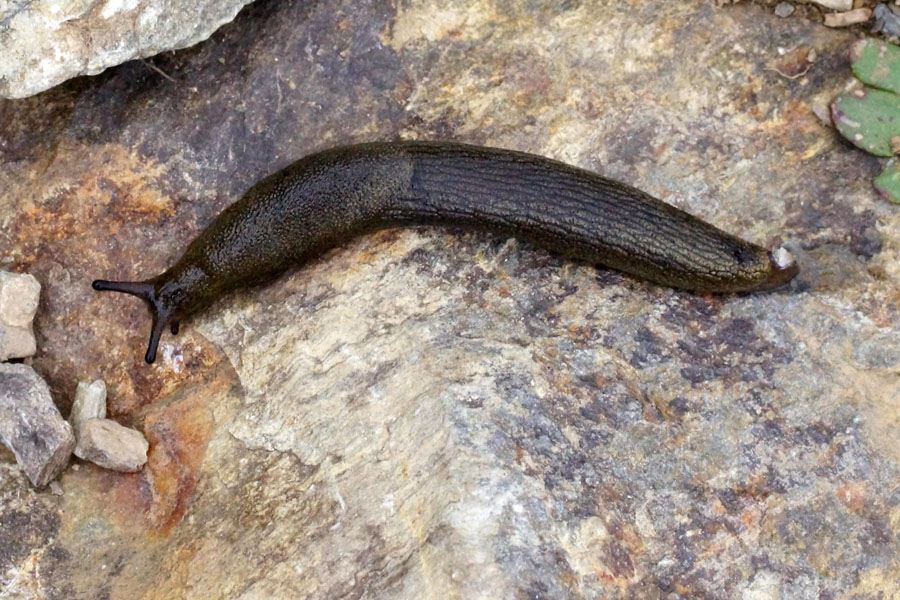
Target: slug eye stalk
146	291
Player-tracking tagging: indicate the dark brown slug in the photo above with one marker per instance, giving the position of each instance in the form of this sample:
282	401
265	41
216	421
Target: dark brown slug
324	199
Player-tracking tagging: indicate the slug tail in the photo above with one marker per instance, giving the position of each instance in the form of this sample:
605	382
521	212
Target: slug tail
782	269
146	291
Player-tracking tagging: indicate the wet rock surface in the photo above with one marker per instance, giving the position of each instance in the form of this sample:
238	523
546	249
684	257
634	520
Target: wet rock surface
427	413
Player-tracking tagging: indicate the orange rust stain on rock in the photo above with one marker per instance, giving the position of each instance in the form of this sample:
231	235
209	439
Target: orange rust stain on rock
798	130
75	215
800	118
185	360
853	495
131	495
383	241
179	434
750	518
72	200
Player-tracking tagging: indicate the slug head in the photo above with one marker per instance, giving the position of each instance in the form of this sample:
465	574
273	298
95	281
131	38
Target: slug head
171	296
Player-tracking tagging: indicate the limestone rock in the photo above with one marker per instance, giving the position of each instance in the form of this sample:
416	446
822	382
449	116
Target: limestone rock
45	42
784	9
19	296
847	18
838	5
112	446
31	426
90	403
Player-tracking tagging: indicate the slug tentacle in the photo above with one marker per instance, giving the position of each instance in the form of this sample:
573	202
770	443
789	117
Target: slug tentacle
146	290
324	199
141	289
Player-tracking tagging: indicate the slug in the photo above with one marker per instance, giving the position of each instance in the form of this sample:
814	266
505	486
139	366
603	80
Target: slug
323	199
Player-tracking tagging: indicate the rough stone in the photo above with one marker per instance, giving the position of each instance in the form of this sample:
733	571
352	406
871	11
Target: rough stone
839	5
112	446
46	42
31	426
90	403
887	19
19	296
848	18
444	414
784	9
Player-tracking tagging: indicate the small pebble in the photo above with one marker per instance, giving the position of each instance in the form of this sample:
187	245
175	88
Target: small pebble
823	113
112	446
784	9
839	5
19	295
887	19
851	17
90	403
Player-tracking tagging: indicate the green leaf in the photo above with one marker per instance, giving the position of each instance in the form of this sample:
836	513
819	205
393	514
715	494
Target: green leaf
870	119
888	183
876	63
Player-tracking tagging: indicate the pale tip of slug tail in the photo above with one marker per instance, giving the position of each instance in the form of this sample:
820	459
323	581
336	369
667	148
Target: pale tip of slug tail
783	269
782	258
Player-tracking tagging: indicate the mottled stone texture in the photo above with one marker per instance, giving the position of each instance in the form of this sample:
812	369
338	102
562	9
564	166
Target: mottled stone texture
434	414
89	403
31	426
19	297
111	446
45	42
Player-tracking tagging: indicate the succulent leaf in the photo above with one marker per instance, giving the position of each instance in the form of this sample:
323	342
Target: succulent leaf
888	183
876	63
870	119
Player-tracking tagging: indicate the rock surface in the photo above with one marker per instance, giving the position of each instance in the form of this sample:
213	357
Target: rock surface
111	446
46	42
19	296
887	19
442	414
784	9
90	403
839	5
31	426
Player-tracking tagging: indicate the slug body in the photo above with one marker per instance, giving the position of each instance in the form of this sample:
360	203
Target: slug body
324	199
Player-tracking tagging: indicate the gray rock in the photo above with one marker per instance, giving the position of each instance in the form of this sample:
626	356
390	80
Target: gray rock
31	426
19	296
887	19
90	403
112	446
784	9
45	42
